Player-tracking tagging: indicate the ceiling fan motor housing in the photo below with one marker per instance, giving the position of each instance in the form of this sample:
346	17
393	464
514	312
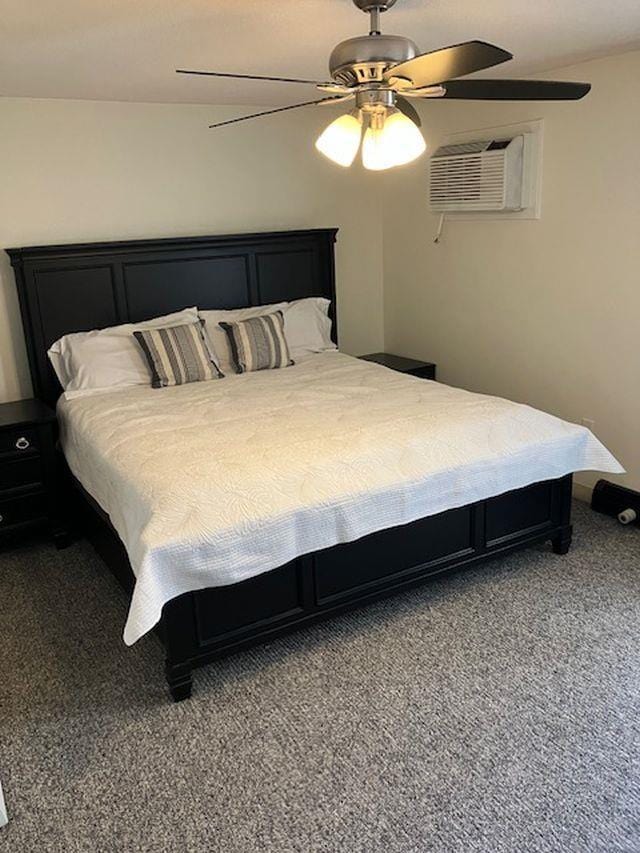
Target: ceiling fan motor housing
369	5
364	59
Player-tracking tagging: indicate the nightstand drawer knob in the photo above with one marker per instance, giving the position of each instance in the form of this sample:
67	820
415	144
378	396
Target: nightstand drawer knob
23	443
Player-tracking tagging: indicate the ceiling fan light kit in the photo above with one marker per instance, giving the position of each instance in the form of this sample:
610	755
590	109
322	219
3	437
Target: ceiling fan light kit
390	137
380	72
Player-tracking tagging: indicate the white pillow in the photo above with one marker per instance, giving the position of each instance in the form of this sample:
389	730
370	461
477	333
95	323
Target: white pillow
307	327
57	362
107	359
218	337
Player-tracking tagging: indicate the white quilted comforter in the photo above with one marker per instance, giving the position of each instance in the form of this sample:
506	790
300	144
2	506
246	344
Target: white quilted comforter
211	483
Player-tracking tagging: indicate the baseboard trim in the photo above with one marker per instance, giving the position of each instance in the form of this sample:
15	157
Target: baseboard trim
582	492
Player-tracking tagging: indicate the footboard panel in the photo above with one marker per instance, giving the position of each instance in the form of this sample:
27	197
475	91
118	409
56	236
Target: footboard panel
227	612
202	626
392	554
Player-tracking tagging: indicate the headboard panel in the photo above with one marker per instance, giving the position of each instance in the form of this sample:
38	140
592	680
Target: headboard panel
75	288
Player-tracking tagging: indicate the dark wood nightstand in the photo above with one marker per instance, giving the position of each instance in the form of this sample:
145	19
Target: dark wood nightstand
28	492
423	369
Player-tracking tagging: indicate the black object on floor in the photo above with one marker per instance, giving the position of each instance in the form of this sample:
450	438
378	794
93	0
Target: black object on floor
612	499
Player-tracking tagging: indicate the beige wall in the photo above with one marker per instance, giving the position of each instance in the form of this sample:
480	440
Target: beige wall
81	170
545	312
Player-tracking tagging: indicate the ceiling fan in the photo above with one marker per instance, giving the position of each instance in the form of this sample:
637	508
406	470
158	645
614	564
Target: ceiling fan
382	73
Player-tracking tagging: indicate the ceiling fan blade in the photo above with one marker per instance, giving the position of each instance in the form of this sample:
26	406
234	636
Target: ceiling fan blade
429	69
336	99
515	90
409	110
424	92
271	112
335	88
252	77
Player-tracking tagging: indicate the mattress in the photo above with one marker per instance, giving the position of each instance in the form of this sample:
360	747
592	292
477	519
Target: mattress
212	483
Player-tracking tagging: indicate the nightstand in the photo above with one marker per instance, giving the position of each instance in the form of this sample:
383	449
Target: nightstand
423	369
27	469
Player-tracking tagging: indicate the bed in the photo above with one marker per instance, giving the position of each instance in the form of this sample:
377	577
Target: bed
282	497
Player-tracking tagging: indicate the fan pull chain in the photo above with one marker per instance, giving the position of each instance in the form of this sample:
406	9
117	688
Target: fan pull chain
436	239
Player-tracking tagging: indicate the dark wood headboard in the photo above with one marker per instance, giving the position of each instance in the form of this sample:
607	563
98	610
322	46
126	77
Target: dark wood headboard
87	286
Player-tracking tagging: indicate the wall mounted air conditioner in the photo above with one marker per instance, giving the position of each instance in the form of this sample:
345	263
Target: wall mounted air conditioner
487	175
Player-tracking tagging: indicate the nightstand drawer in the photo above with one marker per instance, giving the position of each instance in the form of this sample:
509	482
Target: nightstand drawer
19	440
29	494
16	473
22	510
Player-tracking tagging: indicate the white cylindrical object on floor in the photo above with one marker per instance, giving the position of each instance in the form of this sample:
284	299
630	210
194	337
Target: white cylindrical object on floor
627	516
3	809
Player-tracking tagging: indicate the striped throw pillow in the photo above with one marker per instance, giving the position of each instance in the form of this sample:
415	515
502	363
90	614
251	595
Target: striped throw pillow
177	355
258	343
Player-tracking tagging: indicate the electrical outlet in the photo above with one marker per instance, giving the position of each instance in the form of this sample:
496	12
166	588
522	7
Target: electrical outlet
589	423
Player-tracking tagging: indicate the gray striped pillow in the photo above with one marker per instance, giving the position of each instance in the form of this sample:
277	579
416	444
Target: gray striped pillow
258	343
177	355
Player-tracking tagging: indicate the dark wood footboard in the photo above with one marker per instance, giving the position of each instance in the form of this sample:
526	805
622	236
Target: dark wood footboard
199	627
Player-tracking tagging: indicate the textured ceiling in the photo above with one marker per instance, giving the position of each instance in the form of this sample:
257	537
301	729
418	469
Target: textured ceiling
127	49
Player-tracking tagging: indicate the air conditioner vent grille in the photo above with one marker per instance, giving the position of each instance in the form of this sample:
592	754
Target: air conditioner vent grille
477	176
462	148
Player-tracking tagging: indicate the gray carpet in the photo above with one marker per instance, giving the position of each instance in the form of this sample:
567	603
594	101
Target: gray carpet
493	711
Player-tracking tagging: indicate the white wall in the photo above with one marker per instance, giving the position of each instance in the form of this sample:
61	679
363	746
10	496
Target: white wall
546	312
81	170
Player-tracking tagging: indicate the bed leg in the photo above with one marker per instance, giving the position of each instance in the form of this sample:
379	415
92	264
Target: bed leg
179	679
62	537
562	541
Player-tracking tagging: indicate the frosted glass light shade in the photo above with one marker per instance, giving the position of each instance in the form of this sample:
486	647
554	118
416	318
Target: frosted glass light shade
340	140
398	141
374	154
